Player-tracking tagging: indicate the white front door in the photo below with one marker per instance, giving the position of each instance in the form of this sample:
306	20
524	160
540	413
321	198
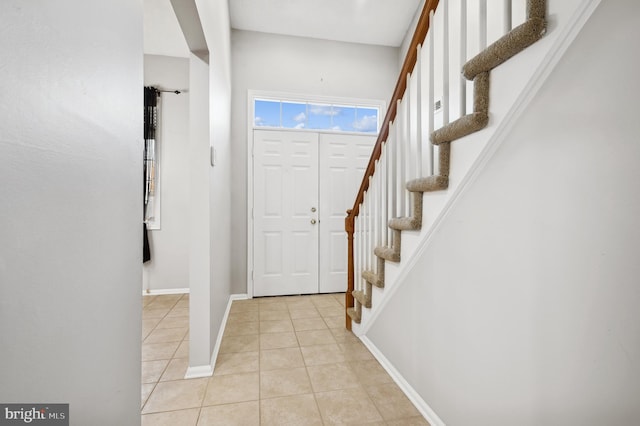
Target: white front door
303	184
343	160
285	213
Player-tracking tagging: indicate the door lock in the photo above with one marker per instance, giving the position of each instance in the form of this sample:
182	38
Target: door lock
313	209
313	221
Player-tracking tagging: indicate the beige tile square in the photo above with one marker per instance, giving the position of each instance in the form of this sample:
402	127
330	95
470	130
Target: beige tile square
274	315
391	402
178	313
183	350
278	340
236	363
278	300
172	418
152	370
315	337
297	410
154	351
244	328
325	301
276	359
355	351
154	313
160	302
329	377
239	414
244	306
178	395
249	343
322	354
176	369
276	383
158	313
302	324
164	335
145	391
232	388
146	299
340	298
174	322
331	311
148	326
304	313
276	306
182	304
347	406
370	373
343	335
410	421
275	326
300	304
335	322
244	316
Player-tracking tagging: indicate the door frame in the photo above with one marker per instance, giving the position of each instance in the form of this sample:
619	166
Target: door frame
262	94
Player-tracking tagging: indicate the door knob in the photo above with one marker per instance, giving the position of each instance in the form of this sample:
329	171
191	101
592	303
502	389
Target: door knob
313	221
313	209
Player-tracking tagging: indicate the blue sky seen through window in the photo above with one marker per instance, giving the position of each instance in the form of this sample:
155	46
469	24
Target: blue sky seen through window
316	116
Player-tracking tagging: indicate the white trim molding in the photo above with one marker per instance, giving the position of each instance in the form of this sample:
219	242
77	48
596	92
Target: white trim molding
207	370
163	291
415	398
199	371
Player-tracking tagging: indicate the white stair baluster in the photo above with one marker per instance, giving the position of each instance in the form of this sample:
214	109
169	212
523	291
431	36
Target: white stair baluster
507	16
431	90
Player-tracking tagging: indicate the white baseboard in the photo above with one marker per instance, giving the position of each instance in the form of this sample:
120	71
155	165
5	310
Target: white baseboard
207	370
164	291
422	406
199	371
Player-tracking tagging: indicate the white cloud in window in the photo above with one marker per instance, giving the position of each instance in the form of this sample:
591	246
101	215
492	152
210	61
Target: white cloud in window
336	128
300	118
299	126
258	121
323	110
368	123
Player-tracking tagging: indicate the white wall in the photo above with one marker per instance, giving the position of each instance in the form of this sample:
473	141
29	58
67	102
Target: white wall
71	210
169	265
210	186
296	65
524	307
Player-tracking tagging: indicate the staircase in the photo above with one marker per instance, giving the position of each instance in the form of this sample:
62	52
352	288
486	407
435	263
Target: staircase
400	171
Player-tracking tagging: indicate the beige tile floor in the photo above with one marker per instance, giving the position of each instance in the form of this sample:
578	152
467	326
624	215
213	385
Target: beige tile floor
282	361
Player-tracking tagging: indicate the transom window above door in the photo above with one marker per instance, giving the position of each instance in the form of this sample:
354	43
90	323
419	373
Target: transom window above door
313	115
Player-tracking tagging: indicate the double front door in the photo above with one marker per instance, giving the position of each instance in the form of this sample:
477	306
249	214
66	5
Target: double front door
303	184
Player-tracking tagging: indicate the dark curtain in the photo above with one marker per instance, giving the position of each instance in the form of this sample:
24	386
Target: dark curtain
150	124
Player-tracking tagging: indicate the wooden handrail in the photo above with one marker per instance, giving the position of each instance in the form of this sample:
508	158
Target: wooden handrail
407	67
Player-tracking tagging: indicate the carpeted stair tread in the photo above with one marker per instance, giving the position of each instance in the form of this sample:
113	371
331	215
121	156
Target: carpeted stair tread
505	47
373	278
469	123
428	184
362	297
387	253
405	223
354	315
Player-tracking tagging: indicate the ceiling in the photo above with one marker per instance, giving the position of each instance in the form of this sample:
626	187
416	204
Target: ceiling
379	22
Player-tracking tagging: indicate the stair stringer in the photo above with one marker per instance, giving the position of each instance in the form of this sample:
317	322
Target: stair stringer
474	150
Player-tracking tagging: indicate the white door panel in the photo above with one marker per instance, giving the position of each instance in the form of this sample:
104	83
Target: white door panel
343	160
285	190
